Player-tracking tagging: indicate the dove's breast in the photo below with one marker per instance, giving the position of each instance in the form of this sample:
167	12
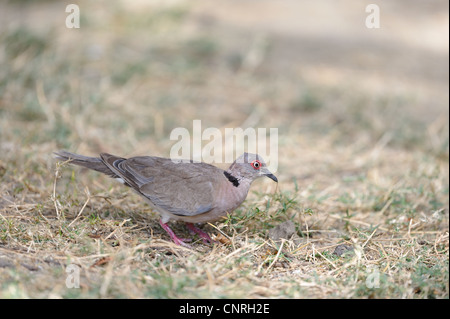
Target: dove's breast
227	198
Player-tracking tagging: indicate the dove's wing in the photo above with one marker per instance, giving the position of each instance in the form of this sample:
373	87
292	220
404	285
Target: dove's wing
184	189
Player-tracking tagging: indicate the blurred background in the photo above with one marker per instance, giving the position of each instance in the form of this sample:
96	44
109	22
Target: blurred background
363	143
345	98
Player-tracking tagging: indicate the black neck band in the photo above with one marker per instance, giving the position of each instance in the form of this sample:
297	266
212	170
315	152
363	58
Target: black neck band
231	178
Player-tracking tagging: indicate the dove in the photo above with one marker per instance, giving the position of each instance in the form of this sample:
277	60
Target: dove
187	191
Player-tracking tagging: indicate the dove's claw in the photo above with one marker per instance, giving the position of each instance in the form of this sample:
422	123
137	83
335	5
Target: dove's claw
205	237
175	238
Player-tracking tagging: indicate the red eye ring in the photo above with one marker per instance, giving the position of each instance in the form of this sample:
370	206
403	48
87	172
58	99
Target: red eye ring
256	164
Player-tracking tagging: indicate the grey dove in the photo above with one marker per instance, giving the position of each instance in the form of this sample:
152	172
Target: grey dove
187	191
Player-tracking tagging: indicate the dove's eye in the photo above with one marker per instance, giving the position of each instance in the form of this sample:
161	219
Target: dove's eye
256	164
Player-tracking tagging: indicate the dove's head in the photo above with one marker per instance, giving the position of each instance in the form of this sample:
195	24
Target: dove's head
250	166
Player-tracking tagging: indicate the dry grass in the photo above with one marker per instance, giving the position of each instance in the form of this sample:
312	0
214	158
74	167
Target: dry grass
363	151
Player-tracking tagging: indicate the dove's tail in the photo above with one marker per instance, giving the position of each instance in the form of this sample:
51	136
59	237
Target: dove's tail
94	163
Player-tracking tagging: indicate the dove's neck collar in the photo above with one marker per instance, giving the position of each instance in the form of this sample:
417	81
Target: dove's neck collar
231	178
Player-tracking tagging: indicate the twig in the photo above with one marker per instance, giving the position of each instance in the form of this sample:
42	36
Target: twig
242	248
386	206
220	231
301	247
120	225
54	191
371	235
329	261
88	194
357	222
409	227
276	256
53	197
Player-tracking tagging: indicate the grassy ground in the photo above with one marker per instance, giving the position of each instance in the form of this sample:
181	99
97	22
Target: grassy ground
363	147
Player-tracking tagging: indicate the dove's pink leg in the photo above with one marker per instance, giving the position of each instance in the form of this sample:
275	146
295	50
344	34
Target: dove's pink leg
201	233
175	238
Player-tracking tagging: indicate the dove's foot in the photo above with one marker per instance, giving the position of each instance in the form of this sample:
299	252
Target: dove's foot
175	238
205	237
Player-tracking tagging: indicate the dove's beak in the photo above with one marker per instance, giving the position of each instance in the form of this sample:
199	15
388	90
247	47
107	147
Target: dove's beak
268	174
272	177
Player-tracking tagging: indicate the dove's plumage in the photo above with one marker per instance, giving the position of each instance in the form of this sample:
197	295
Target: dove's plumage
186	191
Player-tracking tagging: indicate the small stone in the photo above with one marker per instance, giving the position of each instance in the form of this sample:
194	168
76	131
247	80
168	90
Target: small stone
5	263
284	230
342	249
